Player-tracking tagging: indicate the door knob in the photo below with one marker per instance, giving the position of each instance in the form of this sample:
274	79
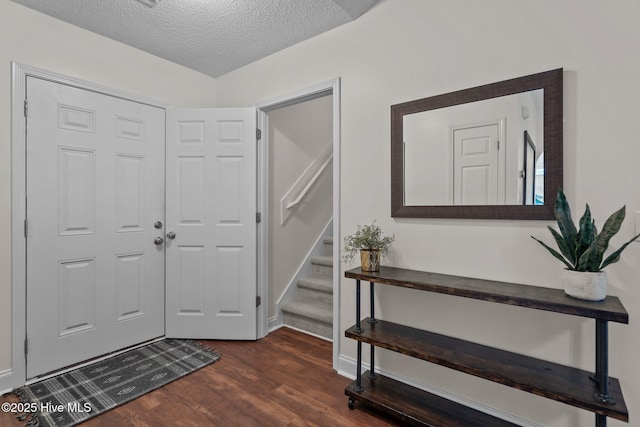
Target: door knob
158	225
171	235
158	240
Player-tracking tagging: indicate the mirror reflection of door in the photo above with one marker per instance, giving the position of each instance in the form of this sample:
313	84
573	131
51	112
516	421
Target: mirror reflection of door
476	165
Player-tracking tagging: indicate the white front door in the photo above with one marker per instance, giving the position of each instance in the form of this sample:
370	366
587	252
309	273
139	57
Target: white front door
211	213
475	165
95	188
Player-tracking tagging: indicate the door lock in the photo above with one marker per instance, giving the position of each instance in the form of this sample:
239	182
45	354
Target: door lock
158	240
158	225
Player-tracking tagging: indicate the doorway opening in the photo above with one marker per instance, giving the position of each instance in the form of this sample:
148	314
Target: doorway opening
313	166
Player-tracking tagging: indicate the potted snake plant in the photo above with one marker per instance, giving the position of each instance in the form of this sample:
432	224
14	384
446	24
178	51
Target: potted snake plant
582	250
370	243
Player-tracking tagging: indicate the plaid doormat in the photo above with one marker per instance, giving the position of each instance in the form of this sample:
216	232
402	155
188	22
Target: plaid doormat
70	398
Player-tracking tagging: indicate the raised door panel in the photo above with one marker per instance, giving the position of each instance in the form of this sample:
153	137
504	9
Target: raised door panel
76	191
475	181
130	128
191	190
129	193
76	119
76	296
228	270
191	281
229	206
130	282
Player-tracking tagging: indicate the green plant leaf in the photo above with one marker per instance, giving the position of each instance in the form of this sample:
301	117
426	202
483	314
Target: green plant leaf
586	234
554	253
615	257
587	261
601	243
562	245
562	211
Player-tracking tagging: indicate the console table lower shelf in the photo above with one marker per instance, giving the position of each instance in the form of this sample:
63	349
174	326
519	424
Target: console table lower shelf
417	407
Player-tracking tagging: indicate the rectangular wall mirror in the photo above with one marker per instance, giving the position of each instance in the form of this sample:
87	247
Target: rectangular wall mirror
461	154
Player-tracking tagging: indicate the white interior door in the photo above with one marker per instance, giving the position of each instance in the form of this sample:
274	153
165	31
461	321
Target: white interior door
211	209
95	188
475	165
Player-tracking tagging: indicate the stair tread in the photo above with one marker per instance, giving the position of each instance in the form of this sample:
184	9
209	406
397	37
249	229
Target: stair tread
320	312
317	283
322	260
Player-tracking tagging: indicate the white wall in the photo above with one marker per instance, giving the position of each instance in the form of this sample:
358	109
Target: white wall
297	135
404	50
33	39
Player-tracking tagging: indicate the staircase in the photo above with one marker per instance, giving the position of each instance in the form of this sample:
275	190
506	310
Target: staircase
312	308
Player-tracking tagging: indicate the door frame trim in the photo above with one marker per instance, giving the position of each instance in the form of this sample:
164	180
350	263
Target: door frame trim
330	87
19	73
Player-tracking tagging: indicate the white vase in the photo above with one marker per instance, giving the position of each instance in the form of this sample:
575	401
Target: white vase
591	286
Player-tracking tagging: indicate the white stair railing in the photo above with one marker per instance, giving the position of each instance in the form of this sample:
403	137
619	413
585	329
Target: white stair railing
304	183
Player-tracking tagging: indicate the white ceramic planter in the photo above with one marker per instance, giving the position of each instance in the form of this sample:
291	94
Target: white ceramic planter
585	285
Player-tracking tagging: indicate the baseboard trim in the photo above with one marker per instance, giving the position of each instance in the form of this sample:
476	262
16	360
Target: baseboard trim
6	381
273	324
347	368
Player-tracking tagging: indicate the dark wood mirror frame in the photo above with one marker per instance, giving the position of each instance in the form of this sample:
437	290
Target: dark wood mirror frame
551	82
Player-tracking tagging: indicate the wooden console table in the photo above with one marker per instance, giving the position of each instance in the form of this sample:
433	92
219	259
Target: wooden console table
595	392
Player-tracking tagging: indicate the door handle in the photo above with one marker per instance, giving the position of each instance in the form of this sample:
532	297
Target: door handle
158	240
171	235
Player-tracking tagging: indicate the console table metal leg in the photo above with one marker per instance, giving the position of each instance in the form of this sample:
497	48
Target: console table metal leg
372	369
602	362
358	325
358	330
359	369
602	369
372	319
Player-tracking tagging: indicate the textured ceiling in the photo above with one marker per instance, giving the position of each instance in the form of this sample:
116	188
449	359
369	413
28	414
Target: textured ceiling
211	36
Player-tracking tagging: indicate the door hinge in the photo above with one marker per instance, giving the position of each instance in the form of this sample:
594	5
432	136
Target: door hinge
26	346
498	144
26	108
258	301
258	217
26	227
258	134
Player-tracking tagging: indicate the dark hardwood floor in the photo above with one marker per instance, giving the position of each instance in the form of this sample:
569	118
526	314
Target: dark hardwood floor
283	379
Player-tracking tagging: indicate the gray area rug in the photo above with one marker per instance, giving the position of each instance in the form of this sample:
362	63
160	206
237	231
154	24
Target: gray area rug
70	398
